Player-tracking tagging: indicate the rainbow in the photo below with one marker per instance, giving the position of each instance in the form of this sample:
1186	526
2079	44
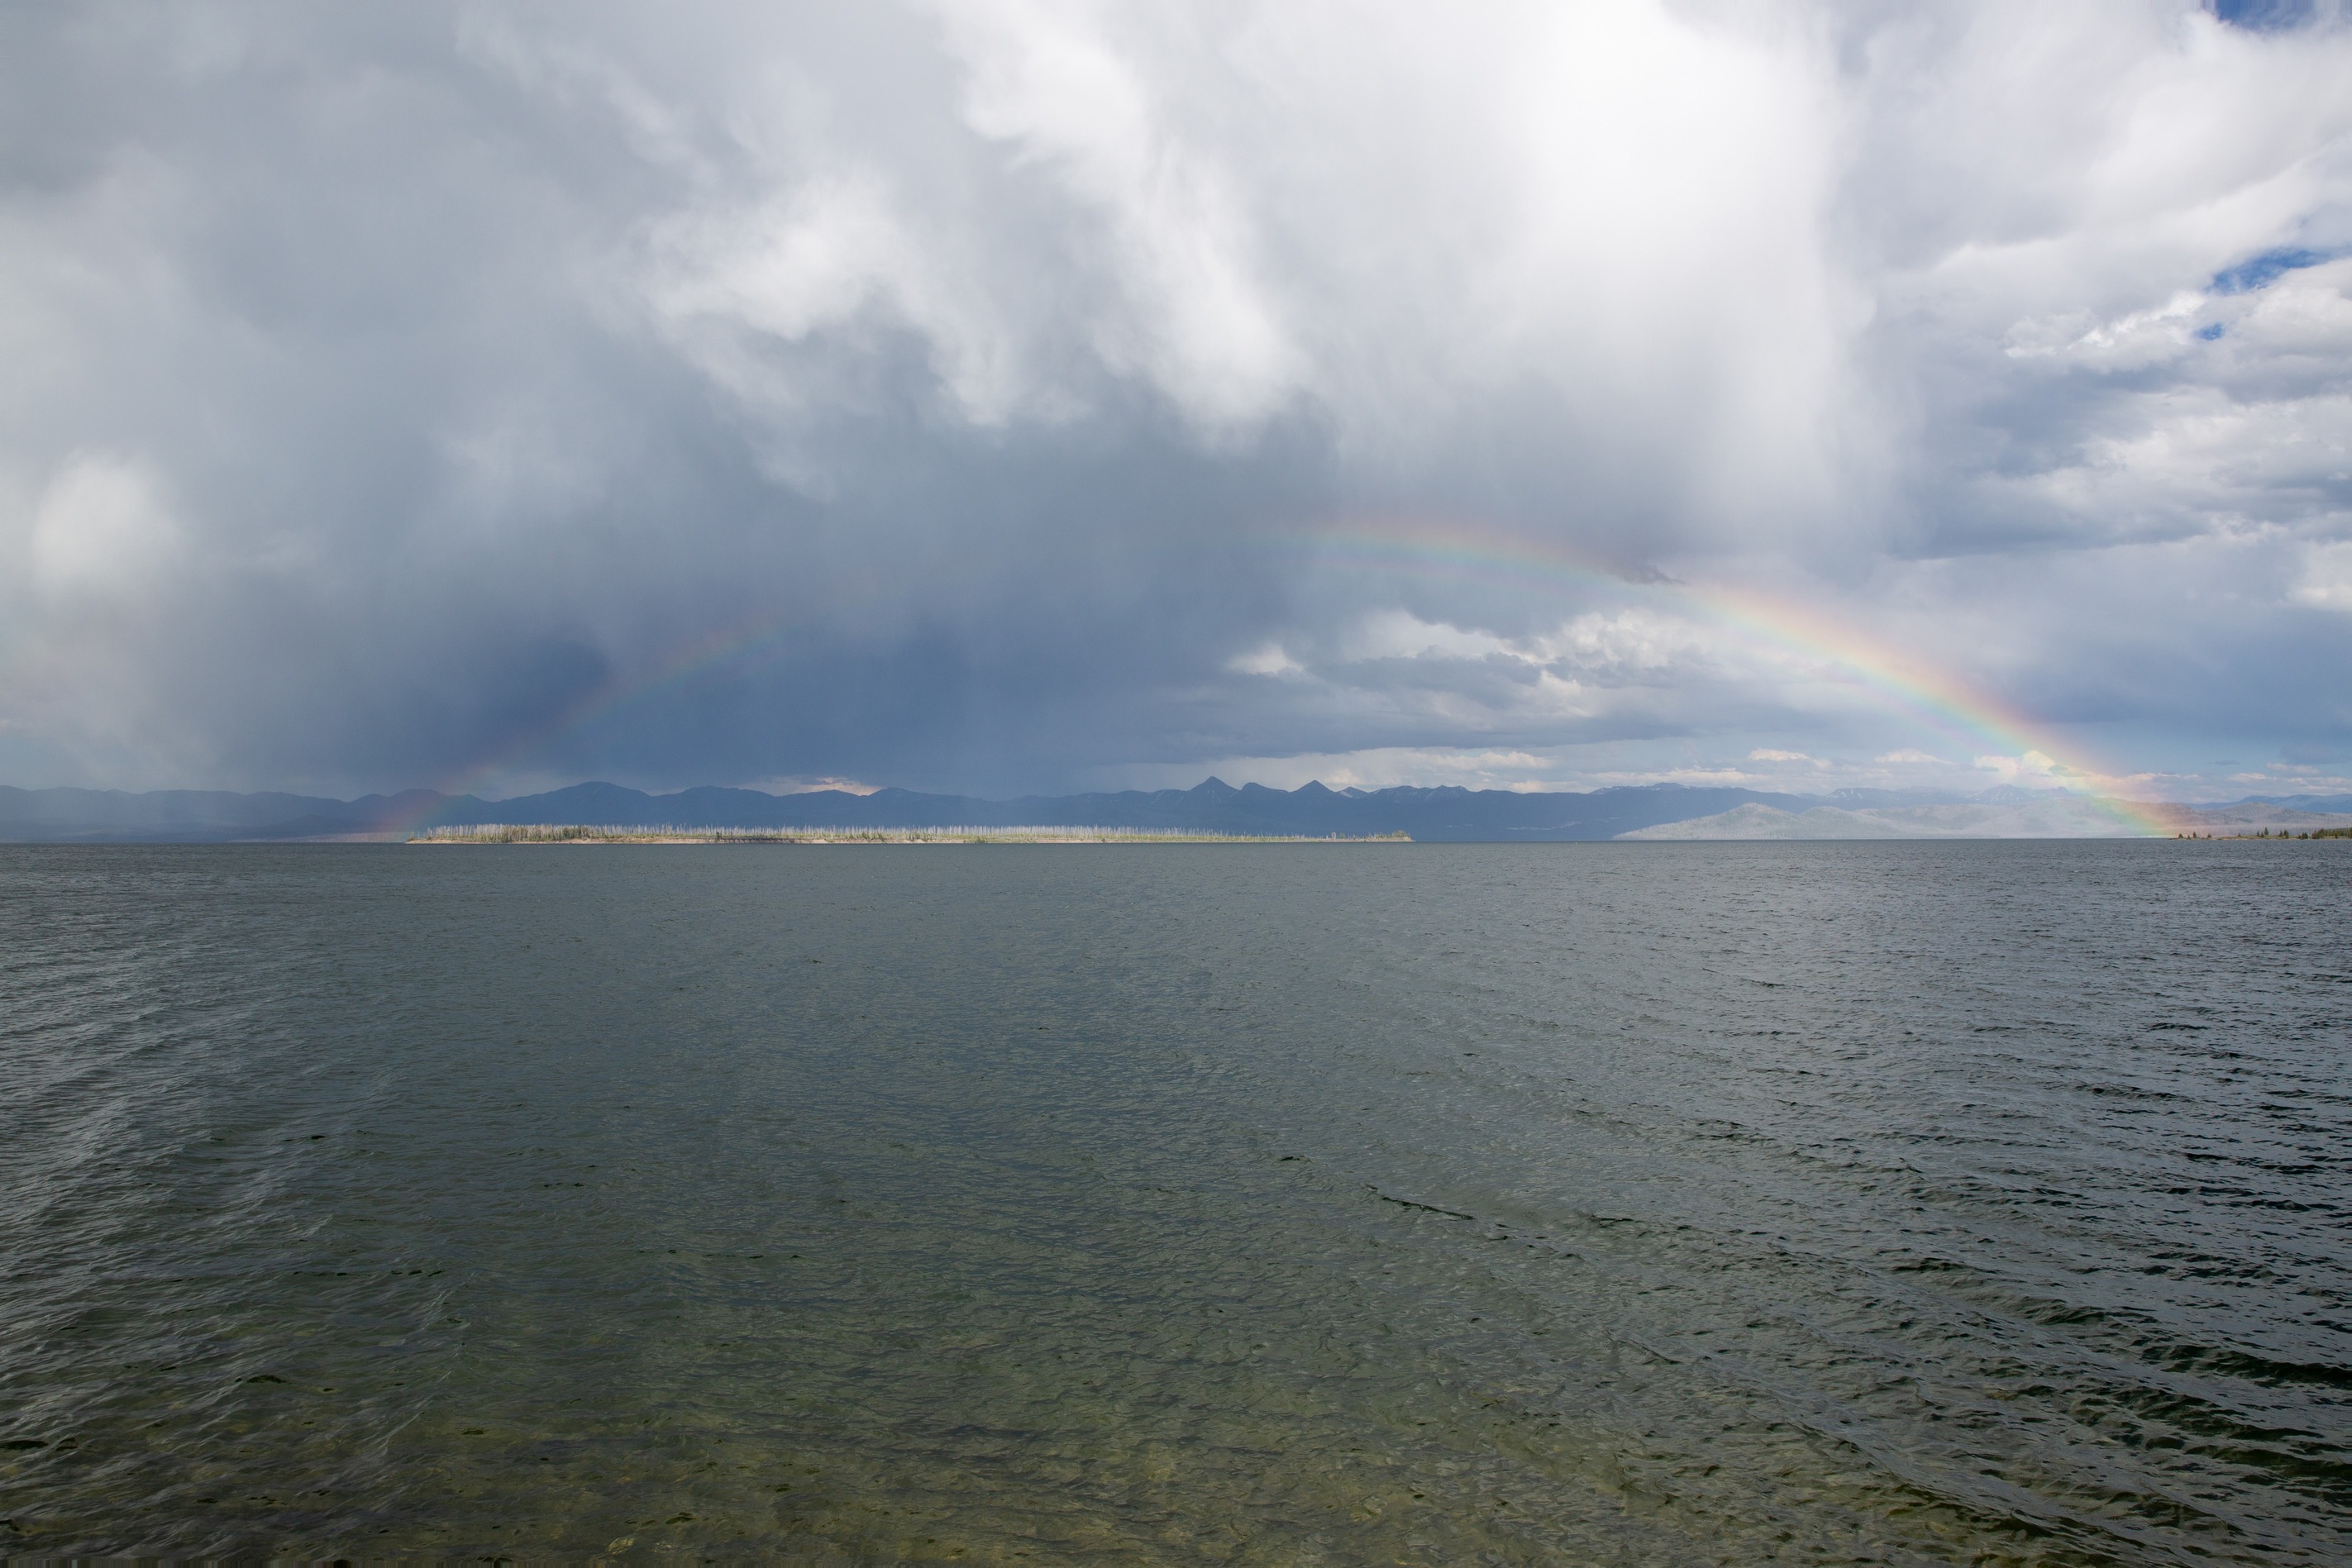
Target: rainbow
1939	699
1898	682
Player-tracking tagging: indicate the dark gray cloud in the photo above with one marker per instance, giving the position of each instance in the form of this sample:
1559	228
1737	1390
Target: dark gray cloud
476	394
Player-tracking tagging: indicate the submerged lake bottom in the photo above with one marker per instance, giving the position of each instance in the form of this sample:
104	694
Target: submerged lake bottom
1976	1203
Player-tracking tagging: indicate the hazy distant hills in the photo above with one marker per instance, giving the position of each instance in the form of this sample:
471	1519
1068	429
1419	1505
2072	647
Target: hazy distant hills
187	816
192	816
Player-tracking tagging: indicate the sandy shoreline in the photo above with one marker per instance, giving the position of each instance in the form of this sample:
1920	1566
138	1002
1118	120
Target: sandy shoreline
731	836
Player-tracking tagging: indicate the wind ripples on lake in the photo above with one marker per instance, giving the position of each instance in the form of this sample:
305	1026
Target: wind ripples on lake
1428	1203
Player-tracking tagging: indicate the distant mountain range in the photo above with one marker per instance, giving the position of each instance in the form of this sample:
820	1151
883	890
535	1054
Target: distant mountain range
192	816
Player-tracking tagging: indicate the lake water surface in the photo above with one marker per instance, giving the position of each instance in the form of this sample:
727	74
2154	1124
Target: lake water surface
1716	1202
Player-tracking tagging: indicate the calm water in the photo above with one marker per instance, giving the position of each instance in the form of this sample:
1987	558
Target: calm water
1980	1203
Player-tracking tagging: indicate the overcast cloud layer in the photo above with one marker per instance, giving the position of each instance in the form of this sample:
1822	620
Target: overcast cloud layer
1035	396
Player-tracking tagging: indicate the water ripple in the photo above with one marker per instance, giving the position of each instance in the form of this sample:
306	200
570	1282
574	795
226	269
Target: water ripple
1829	1203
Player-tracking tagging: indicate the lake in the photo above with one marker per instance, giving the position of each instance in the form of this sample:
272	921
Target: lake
1977	1202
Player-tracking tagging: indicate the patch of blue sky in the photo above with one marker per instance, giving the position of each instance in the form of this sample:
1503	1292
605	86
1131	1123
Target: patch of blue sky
2263	16
2261	271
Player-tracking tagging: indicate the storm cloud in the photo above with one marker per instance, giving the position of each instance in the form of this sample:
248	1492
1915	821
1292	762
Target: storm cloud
1040	396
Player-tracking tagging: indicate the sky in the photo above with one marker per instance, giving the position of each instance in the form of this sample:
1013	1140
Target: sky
1037	396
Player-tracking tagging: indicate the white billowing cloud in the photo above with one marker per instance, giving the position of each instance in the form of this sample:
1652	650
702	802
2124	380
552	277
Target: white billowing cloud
101	531
1400	635
1266	659
2028	767
1647	665
833	255
2021	161
2248	419
1550	196
2130	341
2326	579
2093	191
1641	645
1197	317
1329	212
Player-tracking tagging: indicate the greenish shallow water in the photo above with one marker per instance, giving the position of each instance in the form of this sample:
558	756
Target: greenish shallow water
1976	1203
